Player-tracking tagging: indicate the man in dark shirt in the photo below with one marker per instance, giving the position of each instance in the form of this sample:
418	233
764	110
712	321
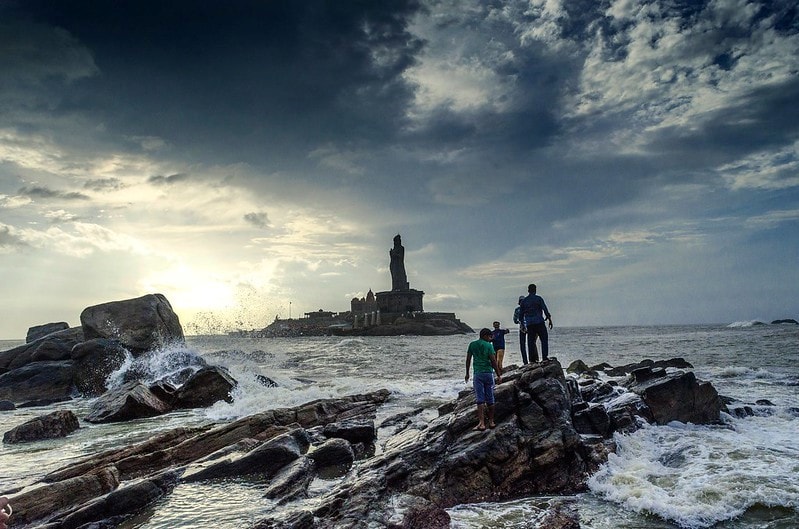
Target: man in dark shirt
534	314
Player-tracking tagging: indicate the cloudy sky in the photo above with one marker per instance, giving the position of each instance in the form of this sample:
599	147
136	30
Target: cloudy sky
638	160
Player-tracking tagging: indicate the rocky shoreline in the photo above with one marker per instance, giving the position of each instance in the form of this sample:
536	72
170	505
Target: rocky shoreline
555	427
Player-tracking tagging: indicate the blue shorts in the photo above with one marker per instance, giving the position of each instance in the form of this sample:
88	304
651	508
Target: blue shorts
484	388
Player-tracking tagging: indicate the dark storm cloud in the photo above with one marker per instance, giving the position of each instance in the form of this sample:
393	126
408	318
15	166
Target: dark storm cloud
240	80
47	193
765	118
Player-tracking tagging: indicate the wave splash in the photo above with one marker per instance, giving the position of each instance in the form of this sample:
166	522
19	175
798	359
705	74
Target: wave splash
747	323
173	363
698	476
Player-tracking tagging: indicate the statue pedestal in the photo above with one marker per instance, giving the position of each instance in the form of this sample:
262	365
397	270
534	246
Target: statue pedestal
400	301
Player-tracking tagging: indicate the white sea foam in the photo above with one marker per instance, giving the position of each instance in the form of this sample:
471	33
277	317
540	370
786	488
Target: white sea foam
748	372
748	323
697	476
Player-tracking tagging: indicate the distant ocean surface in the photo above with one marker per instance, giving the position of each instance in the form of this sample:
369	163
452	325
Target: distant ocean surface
743	474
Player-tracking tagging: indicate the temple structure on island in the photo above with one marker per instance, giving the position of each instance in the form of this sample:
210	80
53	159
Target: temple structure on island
390	312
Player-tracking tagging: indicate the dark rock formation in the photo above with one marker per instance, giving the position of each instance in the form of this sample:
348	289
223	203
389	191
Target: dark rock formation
48	501
205	387
140	325
7	405
36	381
52	347
75	487
132	400
788	320
51	426
424	467
333	457
677	363
678	397
292	482
93	361
40	331
266	461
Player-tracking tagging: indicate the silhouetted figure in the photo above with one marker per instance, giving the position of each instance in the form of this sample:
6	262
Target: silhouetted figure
399	279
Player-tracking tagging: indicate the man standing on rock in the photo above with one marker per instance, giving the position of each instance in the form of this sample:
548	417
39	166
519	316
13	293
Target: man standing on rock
517	318
485	363
534	315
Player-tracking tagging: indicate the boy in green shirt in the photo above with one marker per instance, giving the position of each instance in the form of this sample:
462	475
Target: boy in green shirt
485	364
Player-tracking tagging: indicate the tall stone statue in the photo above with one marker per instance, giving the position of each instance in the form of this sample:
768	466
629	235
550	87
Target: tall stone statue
399	279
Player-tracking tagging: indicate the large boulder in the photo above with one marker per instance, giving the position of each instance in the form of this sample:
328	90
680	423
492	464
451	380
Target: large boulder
40	331
204	388
677	396
38	381
55	346
132	400
51	426
140	324
94	360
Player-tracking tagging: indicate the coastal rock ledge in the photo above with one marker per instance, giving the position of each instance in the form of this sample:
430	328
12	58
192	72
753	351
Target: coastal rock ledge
422	468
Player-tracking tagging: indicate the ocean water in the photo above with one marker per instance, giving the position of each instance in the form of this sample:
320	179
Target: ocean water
742	474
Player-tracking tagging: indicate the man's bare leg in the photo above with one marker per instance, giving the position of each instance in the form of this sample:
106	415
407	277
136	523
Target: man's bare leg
481	425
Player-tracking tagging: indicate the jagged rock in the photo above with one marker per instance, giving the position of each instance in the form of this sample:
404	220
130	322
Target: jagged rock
678	363
164	391
40	331
51	426
36	381
266	460
123	501
354	431
183	445
132	400
534	449
435	464
333	457
140	324
204	388
593	390
93	361
679	397
7	405
579	367
48	501
292	482
52	347
594	420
